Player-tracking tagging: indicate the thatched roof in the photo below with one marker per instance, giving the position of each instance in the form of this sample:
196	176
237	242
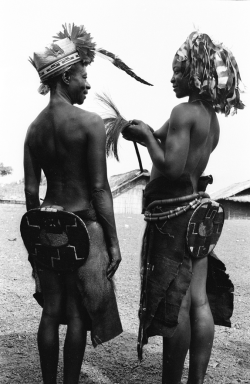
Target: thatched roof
118	180
232	192
240	199
124	181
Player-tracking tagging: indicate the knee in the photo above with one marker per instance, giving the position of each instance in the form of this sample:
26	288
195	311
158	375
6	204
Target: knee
53	309
199	301
201	315
74	316
51	318
77	327
75	322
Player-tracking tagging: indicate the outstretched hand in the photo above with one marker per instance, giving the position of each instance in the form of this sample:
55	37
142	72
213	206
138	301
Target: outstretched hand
115	259
137	131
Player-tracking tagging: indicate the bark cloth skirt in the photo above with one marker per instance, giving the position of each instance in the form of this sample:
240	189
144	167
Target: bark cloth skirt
166	268
96	291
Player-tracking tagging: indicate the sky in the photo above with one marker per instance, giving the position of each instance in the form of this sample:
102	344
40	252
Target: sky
145	34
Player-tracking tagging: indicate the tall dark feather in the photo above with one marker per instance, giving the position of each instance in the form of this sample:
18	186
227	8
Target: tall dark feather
114	125
32	61
121	65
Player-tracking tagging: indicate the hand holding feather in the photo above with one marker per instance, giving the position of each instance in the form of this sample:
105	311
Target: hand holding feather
137	131
115	124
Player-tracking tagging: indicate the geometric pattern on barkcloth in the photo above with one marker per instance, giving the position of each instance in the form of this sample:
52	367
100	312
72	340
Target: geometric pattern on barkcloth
204	228
56	240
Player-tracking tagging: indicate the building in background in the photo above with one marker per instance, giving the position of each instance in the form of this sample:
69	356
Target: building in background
127	190
235	199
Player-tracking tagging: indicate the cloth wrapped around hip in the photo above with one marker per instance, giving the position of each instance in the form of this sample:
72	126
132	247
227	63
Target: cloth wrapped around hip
97	292
166	265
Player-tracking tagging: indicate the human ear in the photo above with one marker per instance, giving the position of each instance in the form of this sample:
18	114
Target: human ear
66	77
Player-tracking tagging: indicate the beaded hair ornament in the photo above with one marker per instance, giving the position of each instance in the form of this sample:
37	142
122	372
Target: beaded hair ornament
212	69
72	45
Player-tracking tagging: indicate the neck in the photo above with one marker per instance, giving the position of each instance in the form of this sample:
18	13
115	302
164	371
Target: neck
195	95
59	94
192	99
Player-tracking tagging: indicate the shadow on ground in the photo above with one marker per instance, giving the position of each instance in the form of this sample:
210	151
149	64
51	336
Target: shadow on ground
114	362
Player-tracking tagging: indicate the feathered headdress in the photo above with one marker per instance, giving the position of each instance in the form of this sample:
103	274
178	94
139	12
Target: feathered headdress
119	64
213	69
81	39
72	45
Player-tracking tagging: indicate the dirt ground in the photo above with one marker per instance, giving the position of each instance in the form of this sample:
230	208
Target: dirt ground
116	361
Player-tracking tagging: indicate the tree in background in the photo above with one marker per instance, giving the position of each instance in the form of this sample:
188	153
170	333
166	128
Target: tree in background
5	170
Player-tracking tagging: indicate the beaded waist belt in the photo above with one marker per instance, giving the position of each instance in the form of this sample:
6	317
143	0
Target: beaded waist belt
193	201
205	224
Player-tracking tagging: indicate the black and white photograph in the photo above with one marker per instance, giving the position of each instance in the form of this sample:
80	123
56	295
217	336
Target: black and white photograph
125	192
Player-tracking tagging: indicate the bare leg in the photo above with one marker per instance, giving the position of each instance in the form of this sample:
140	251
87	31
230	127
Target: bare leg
175	348
48	337
48	346
75	341
74	349
202	325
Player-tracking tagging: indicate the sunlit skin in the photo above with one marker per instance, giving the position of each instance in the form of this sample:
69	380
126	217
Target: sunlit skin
78	85
179	80
69	145
183	145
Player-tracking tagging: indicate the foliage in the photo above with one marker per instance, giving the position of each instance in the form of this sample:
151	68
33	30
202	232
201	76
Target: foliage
5	170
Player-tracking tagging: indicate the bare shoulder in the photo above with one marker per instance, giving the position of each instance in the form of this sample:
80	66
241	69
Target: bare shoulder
39	121
193	113
89	120
32	129
183	113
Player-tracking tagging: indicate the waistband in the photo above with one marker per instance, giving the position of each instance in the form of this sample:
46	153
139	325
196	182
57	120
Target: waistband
84	214
192	202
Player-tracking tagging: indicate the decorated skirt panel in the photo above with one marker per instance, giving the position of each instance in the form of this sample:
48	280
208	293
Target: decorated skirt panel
166	261
96	290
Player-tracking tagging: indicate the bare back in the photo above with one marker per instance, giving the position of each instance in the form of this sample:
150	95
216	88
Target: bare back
59	140
69	145
196	140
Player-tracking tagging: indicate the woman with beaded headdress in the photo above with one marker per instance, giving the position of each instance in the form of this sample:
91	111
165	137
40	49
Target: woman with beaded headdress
184	288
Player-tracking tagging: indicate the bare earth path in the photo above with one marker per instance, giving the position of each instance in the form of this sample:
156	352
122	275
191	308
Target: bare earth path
116	362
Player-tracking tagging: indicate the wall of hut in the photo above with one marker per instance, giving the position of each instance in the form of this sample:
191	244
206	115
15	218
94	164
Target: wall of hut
130	199
235	210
